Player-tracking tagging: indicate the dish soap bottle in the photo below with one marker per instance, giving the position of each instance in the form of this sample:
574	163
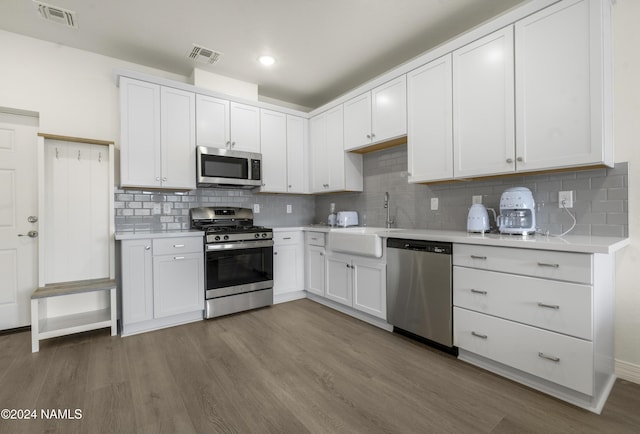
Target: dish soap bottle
332	215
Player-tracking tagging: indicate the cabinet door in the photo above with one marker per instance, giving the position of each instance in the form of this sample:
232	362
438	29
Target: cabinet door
389	110
483	106
334	151
315	270
245	127
430	130
287	269
140	158
178	284
357	122
370	287
273	142
559	88
178	138
212	122
137	281
319	159
296	154
338	279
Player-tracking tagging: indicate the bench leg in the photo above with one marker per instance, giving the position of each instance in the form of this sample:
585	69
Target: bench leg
114	312
35	327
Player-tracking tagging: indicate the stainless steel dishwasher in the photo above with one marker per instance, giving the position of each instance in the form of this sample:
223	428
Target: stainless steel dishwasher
419	291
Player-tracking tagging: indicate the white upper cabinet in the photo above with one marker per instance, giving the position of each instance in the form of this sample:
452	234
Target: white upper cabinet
178	138
429	122
297	173
157	136
212	122
483	106
376	116
273	138
245	127
331	168
562	87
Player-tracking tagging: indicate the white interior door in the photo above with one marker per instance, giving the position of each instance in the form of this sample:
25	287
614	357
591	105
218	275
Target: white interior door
18	202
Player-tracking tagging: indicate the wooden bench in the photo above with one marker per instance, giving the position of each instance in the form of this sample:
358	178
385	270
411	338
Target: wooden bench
43	327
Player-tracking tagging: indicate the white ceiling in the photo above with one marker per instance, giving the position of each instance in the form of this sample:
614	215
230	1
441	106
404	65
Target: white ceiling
323	47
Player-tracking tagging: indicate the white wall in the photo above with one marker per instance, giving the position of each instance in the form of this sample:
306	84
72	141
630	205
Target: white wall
626	14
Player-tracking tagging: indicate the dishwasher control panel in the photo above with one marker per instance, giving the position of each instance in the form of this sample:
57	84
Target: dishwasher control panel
420	245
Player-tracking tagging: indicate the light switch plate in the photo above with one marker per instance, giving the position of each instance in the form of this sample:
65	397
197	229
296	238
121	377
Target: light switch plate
434	204
256	208
477	199
288	209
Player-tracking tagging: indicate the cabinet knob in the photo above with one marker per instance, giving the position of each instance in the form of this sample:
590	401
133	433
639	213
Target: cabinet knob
233	144
289	185
372	135
228	144
368	136
509	160
275	253
321	254
520	159
164	178
147	248
157	178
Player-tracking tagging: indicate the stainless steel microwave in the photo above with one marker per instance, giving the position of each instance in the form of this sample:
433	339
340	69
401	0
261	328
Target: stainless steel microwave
218	167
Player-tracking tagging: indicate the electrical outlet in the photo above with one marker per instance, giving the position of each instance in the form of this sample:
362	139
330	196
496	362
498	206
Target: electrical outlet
476	199
288	209
434	204
256	208
565	198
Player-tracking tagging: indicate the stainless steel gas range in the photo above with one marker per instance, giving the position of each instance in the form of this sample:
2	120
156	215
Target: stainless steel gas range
238	260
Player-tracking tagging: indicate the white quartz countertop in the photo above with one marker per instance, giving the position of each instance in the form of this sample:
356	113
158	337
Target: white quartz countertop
147	234
568	243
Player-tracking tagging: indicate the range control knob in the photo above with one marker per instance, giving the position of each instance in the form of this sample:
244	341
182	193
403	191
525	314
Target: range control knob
226	237
264	235
217	238
257	235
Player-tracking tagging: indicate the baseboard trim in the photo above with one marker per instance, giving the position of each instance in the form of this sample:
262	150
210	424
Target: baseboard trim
628	371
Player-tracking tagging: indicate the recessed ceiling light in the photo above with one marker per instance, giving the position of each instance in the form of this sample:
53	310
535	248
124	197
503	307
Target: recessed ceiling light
267	60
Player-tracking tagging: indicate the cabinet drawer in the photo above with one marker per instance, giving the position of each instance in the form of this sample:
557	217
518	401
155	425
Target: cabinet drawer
557	306
169	246
282	238
557	358
570	267
314	238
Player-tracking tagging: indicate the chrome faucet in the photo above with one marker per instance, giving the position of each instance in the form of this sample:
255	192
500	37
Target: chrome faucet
386	205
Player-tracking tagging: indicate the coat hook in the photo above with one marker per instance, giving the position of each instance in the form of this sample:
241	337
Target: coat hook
56	153
78	155
99	157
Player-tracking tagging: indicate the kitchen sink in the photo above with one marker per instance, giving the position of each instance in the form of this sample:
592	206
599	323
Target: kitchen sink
364	241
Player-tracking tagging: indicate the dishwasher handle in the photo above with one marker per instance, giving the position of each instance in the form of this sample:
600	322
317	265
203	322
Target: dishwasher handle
420	245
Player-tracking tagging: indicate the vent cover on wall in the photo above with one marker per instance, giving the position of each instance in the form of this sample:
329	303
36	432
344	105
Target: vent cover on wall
57	15
204	55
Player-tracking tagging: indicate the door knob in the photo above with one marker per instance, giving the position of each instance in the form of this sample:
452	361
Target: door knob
31	234
32	219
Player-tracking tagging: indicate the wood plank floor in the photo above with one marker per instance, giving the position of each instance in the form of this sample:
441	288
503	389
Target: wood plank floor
297	367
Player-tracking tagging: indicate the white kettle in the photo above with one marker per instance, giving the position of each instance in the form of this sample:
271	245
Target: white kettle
478	218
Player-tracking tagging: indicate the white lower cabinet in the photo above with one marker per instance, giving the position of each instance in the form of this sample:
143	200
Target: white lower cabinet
357	282
288	266
543	318
162	282
315	263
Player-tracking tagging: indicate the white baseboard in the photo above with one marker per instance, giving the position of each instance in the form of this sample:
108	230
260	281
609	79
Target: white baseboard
628	371
289	296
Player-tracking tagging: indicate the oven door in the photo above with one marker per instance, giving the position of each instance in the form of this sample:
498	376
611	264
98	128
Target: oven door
235	268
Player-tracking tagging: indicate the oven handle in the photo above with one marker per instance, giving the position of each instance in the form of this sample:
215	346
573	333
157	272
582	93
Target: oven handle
237	246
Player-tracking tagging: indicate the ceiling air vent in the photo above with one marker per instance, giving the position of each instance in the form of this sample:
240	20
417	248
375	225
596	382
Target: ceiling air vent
204	55
57	15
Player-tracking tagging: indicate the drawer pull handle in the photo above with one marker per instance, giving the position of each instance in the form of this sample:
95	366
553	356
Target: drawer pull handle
549	306
481	336
543	264
177	258
552	358
286	238
477	291
484	258
177	246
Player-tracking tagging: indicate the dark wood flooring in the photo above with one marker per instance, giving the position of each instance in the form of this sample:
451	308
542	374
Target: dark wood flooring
297	367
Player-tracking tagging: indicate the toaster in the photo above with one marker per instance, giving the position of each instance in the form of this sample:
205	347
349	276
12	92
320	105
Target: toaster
347	218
